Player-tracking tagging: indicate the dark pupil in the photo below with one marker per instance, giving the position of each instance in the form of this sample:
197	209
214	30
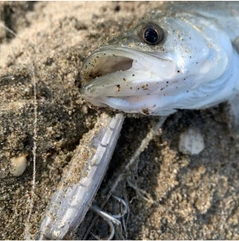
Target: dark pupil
151	36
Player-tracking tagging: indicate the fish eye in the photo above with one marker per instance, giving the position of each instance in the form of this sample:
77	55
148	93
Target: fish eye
152	34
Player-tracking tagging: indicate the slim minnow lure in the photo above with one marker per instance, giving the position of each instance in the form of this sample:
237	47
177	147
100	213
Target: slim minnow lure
182	56
77	188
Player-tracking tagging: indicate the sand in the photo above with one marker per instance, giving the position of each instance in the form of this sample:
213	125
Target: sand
189	197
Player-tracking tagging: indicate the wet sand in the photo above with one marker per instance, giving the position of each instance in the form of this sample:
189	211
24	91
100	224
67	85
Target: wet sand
194	197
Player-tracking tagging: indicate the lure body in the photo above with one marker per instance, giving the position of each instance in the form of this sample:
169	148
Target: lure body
81	179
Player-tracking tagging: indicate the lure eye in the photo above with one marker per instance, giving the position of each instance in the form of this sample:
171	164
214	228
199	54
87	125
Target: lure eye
152	34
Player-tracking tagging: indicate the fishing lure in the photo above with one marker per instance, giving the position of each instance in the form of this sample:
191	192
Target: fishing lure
81	179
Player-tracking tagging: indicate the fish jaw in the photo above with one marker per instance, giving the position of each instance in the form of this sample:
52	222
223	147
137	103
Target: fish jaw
125	78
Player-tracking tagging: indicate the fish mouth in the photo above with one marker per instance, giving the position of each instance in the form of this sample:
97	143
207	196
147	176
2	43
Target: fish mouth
120	77
103	63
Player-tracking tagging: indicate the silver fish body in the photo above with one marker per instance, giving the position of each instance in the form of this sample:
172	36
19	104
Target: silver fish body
194	66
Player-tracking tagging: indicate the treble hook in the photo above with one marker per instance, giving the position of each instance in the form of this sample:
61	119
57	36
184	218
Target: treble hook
111	219
126	207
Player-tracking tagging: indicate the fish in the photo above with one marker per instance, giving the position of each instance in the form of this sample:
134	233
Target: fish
181	56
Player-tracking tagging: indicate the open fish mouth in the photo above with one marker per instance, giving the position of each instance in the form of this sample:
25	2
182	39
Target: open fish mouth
121	77
102	63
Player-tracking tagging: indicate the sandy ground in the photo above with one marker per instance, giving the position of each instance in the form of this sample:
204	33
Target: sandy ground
194	197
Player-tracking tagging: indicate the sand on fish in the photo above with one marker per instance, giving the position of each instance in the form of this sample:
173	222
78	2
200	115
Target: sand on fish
192	197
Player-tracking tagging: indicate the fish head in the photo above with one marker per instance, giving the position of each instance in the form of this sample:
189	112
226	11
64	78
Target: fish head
156	67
